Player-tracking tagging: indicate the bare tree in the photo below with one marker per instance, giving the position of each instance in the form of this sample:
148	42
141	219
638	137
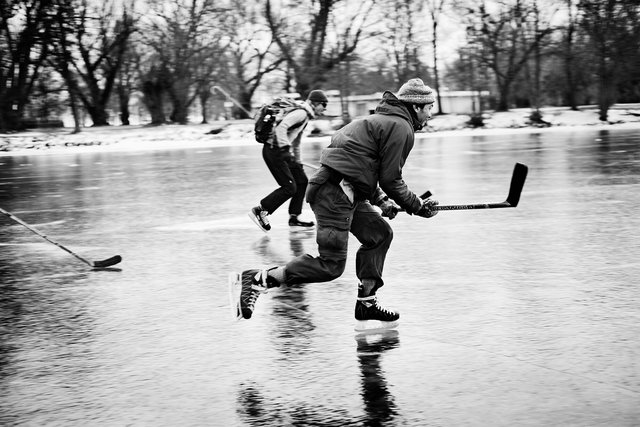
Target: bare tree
539	19
403	38
95	41
501	40
23	51
435	8
613	28
251	52
569	56
308	41
185	38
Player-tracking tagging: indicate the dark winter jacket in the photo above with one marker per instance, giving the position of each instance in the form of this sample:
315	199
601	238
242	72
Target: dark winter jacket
371	151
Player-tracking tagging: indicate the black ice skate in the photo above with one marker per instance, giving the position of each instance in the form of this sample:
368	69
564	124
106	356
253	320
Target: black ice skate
370	316
295	223
260	217
244	289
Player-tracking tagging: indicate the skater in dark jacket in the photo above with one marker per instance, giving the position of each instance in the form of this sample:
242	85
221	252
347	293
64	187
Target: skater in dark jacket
282	156
362	166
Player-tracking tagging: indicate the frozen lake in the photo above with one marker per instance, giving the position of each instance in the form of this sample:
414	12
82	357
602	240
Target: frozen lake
526	316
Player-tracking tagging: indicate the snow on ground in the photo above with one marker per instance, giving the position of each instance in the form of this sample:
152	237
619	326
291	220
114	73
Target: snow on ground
120	138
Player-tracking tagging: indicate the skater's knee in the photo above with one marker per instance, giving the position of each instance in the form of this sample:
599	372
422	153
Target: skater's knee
334	268
387	233
378	236
290	188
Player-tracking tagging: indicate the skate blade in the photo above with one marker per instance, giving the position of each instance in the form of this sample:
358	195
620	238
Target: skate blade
234	295
373	326
256	222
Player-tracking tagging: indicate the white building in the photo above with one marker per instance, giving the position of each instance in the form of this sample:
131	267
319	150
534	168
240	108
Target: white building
453	102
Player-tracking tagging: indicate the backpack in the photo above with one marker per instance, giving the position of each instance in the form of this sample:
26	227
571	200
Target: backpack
269	115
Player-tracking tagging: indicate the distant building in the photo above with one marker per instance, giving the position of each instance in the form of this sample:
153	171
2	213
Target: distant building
453	102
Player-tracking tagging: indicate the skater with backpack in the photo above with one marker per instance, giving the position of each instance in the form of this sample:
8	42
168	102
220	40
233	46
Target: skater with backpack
362	166
279	126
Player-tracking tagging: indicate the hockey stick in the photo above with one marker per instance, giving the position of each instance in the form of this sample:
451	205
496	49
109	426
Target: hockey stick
96	264
309	165
515	189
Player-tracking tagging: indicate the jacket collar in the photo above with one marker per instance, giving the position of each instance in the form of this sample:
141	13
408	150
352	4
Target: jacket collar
391	105
309	109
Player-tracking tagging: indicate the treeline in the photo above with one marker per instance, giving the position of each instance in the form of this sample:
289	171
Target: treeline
92	57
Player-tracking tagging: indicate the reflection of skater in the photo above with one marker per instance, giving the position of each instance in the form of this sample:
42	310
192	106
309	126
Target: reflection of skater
363	162
271	253
282	156
378	401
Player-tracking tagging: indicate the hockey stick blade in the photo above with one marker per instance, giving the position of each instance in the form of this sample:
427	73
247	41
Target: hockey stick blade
513	198
107	262
96	264
517	184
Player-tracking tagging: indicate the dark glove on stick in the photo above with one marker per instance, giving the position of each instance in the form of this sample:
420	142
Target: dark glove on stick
389	208
426	210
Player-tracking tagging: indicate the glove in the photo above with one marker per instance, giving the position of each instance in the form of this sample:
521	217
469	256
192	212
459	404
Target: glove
426	210
389	208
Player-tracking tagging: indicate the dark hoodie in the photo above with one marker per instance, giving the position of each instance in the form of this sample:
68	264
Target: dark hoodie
371	151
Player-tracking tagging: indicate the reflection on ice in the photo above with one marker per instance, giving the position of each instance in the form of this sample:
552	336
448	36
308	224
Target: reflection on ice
525	316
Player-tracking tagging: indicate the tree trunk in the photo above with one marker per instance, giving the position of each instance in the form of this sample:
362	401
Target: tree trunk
570	94
123	98
503	97
435	63
204	96
77	126
180	113
98	114
604	89
153	97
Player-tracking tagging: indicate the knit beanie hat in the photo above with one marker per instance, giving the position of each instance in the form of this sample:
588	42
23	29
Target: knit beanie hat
317	96
416	92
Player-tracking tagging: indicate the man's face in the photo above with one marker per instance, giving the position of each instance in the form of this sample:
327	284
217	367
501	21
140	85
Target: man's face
424	113
319	107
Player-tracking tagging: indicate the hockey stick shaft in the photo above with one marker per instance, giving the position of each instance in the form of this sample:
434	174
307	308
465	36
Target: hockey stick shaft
515	190
100	264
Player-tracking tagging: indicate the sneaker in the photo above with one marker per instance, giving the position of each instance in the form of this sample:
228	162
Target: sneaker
260	217
253	283
295	222
371	316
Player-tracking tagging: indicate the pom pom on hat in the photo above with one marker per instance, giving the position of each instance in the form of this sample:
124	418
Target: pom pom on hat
317	96
416	92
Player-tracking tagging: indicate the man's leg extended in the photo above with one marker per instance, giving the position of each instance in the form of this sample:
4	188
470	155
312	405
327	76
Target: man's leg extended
334	213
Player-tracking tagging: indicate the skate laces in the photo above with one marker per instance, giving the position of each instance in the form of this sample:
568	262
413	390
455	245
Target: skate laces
372	301
259	284
262	216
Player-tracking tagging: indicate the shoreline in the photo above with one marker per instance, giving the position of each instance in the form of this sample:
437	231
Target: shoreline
176	137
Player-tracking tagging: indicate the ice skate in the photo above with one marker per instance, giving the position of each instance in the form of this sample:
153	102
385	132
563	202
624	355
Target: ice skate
371	317
260	217
296	224
244	289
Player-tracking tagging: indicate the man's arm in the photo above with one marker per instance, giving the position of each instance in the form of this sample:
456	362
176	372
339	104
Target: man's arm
393	155
282	129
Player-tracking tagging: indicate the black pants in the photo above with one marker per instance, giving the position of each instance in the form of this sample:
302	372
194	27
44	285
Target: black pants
290	177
